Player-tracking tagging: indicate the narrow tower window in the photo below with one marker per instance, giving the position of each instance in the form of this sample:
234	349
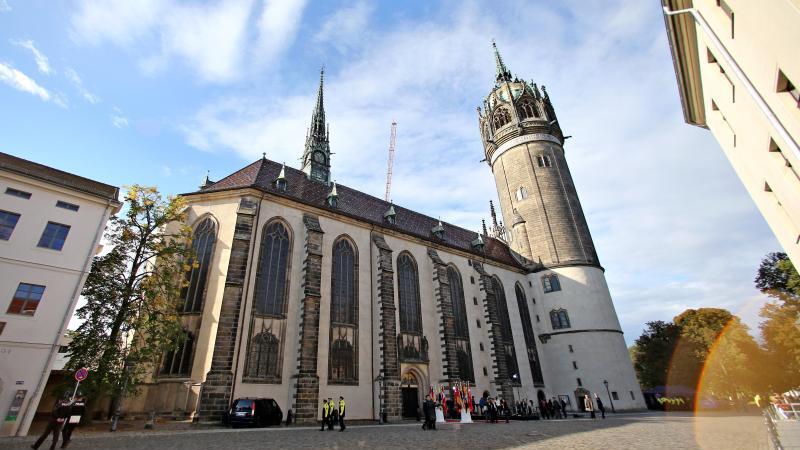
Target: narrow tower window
501	118
543	161
559	318
522	193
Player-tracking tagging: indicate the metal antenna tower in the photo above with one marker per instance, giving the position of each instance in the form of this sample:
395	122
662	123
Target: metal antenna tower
392	141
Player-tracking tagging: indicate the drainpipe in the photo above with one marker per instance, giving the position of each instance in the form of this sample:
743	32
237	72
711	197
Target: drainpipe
30	411
773	120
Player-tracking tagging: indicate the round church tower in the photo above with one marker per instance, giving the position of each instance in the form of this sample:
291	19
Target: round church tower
582	346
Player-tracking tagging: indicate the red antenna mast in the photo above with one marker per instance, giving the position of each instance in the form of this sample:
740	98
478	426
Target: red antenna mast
392	141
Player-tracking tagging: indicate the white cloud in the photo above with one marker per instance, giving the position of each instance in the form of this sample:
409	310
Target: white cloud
41	60
673	226
22	82
213	39
346	27
77	82
4	6
118	119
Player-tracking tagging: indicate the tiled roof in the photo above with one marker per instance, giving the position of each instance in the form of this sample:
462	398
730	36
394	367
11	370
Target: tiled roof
58	177
262	174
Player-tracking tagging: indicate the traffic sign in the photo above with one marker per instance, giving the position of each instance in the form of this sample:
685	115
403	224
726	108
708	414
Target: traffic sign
81	374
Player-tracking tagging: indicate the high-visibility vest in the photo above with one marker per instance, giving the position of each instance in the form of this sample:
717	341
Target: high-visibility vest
325	409
331	406
341	407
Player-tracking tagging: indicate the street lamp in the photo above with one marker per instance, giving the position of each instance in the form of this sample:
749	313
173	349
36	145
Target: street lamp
515	377
379	380
609	396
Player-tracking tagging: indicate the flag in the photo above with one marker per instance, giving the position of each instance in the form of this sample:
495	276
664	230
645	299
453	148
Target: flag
458	401
443	401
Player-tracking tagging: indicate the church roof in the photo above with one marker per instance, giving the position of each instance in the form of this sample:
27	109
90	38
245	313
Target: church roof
262	174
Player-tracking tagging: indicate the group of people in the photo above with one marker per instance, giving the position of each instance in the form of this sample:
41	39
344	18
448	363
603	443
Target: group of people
553	408
64	418
331	414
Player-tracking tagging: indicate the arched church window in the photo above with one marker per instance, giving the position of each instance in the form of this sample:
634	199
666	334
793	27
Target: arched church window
550	283
203	241
501	117
530	337
463	350
268	316
509	353
179	360
528	110
262	357
522	193
344	312
559	318
408	292
272	273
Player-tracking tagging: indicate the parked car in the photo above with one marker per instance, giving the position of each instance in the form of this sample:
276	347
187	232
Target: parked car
257	412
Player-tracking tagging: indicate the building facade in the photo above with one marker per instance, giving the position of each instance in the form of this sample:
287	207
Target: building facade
51	223
738	73
306	290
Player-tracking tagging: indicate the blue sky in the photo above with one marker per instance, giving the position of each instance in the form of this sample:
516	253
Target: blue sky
157	92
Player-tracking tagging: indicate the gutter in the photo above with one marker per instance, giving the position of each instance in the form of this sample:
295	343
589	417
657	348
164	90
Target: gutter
772	119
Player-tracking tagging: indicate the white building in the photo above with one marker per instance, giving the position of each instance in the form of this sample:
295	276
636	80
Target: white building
51	223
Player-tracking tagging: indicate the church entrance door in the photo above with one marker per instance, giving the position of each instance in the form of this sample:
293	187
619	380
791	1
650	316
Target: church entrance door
410	402
579	394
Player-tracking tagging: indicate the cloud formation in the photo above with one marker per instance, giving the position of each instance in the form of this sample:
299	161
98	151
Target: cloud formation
21	82
118	119
77	82
41	60
222	41
4	6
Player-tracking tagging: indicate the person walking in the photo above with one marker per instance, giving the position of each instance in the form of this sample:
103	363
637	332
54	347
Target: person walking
600	405
57	416
341	413
491	411
76	411
325	413
429	411
333	414
563	407
587	404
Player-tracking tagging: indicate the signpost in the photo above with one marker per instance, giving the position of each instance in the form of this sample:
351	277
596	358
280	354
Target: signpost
80	375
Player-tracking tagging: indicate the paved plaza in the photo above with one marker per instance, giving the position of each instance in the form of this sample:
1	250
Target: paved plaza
624	431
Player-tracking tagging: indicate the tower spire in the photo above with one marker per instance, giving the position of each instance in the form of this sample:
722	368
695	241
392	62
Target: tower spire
502	71
316	157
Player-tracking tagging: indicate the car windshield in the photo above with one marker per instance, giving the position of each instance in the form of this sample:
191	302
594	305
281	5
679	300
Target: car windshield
243	405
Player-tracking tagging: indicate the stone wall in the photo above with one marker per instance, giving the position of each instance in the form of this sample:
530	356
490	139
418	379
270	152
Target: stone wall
444	306
387	342
499	366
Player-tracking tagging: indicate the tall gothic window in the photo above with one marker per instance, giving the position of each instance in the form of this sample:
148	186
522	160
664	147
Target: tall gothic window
530	337
179	360
501	117
268	316
344	313
203	246
408	291
528	110
559	319
463	351
506	335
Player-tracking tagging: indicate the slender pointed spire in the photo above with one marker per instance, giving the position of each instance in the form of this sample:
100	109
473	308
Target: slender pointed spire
502	71
494	214
483	225
316	157
318	117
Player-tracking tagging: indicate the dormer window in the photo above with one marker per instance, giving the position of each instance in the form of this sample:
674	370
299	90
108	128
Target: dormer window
333	197
280	182
390	216
438	230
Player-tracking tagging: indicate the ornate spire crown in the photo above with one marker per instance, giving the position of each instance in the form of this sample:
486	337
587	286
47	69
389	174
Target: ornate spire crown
502	71
316	157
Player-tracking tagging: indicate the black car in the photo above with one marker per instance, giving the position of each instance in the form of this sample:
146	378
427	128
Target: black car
258	412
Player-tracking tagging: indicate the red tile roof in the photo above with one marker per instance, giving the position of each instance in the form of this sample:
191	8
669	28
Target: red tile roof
364	207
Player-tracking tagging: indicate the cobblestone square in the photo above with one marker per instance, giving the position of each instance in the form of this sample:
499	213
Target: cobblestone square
624	431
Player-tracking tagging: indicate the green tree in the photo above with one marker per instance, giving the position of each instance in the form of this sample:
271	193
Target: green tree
724	350
652	353
130	316
779	279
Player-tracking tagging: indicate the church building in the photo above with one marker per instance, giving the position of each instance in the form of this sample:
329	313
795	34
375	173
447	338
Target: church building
305	289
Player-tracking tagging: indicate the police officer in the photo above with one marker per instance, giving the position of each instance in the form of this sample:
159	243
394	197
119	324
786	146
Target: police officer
76	412
341	413
325	413
57	416
332	412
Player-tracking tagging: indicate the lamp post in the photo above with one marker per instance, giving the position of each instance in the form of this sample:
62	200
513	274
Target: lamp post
609	396
515	377
379	380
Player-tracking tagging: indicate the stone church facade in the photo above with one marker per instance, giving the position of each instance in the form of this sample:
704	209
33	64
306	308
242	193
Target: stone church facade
304	289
